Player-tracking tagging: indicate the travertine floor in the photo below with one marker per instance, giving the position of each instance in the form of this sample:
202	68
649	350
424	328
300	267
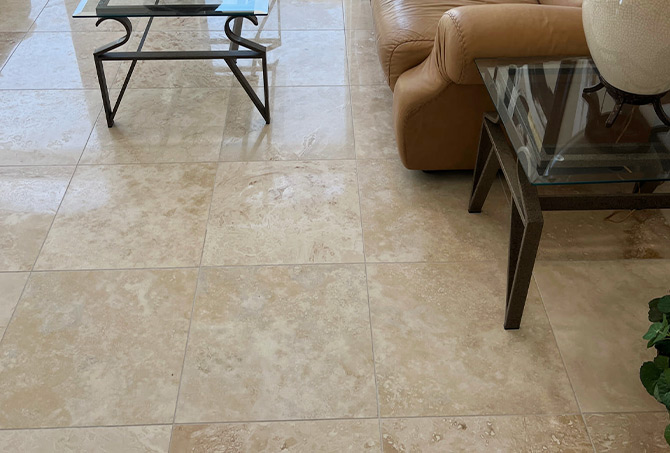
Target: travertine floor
193	280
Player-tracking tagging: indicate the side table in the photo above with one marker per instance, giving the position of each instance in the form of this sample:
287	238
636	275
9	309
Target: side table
537	154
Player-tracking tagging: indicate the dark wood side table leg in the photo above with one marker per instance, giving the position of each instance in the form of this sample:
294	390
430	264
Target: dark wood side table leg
524	240
486	168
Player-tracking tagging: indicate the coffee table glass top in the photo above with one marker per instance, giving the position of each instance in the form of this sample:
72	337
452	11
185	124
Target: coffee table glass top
156	8
559	133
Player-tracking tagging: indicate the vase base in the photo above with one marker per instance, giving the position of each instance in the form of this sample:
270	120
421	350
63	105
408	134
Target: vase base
622	97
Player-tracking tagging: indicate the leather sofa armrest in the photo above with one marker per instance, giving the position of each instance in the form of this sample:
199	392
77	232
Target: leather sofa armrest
507	30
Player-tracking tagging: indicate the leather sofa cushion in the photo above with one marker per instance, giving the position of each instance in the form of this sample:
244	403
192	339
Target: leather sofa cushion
405	30
562	2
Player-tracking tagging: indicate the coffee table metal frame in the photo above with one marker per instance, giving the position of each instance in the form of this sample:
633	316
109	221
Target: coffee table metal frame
495	154
251	50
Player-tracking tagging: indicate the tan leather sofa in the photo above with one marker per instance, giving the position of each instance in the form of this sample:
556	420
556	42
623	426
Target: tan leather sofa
427	50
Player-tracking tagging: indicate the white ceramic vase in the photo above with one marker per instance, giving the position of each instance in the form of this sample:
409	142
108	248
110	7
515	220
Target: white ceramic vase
629	41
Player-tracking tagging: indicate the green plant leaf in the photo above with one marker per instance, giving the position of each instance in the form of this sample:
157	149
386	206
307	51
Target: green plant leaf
667	434
653	331
662	362
655	315
663	384
664	304
665	400
649	375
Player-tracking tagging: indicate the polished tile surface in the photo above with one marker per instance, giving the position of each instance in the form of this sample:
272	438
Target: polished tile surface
597	236
193	279
29	198
12	286
598	311
284	213
486	434
131	439
46	127
67	58
358	436
364	66
131	216
301	58
176	125
437	331
307	123
372	108
413	216
632	433
70	355
285	343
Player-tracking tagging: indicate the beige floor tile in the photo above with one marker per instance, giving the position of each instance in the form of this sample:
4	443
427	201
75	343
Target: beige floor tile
487	434
591	236
282	342
414	216
301	58
57	16
172	125
441	349
357	15
67	58
312	436
95	348
131	216
11	285
18	15
29	198
46	127
130	439
311	15
284	213
628	433
8	42
364	66
307	123
373	122
597	235
598	311
183	73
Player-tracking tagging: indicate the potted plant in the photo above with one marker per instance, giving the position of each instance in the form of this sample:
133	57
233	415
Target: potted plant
655	375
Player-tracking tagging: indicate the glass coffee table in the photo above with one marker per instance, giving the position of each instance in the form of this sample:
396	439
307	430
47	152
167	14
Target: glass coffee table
550	128
240	48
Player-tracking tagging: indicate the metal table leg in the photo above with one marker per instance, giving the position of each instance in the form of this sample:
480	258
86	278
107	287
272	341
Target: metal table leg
486	168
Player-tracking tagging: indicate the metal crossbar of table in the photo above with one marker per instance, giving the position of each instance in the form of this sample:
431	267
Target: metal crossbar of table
527	221
250	50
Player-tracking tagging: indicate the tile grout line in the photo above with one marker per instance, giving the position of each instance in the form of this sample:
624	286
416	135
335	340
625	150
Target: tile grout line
225	266
360	213
560	354
195	295
333	419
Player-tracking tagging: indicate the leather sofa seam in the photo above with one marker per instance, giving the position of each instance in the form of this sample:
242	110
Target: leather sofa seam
461	41
388	72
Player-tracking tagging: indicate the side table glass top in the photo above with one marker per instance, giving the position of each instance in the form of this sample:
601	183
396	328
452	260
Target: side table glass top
559	133
157	8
